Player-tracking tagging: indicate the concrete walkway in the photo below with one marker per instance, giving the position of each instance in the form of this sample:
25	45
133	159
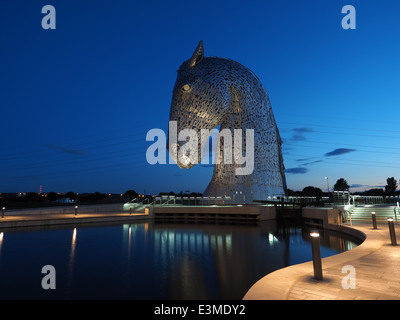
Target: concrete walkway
29	220
376	265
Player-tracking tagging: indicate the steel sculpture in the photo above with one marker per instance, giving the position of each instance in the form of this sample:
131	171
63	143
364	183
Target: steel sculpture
213	91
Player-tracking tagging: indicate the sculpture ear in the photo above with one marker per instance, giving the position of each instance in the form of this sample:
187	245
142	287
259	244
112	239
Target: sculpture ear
197	55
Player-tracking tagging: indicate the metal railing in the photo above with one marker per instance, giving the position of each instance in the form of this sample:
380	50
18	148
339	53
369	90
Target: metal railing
227	200
135	204
192	201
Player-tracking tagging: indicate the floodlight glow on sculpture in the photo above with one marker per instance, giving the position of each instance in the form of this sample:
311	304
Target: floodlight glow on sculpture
212	91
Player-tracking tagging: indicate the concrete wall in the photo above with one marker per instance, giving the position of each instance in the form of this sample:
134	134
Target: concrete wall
265	212
326	215
268	213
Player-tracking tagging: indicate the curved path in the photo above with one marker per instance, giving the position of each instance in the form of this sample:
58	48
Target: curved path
376	267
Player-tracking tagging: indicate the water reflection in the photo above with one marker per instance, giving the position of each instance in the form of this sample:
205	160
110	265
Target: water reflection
219	261
154	260
1	245
71	260
1	241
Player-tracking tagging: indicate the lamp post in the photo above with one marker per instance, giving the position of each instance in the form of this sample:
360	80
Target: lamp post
76	210
327	187
327	183
2	211
392	231
373	220
316	253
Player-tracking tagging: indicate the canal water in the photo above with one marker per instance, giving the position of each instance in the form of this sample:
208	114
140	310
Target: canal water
152	260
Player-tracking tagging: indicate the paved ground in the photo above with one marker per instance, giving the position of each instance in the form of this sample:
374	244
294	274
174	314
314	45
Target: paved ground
376	268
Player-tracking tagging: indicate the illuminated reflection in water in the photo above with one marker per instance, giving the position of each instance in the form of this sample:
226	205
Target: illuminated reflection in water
1	240
152	261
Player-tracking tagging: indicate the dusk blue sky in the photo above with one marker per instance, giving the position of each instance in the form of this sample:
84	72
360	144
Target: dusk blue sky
77	102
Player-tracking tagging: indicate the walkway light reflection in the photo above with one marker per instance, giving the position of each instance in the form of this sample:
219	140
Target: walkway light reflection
1	239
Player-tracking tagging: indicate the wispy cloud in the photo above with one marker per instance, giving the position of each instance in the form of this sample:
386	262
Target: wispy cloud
299	134
308	161
364	187
338	152
65	150
357	185
298	170
303	130
298	137
312	162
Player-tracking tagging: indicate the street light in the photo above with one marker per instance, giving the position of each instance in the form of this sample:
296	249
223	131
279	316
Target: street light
316	254
373	220
327	183
392	232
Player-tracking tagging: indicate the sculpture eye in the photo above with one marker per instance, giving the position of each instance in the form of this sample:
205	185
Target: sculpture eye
187	87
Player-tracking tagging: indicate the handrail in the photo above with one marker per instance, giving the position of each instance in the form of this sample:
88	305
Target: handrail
133	200
165	203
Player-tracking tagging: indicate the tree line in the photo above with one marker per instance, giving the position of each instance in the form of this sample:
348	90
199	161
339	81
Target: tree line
342	185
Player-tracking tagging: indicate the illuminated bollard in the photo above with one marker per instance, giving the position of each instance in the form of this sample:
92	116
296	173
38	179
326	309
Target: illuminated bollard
130	210
316	252
2	211
76	210
374	220
392	232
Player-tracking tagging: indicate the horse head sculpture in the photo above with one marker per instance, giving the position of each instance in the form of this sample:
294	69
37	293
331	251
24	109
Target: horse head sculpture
211	92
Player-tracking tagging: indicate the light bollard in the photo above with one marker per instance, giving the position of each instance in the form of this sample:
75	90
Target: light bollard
2	211
392	231
76	210
130	210
374	220
316	253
